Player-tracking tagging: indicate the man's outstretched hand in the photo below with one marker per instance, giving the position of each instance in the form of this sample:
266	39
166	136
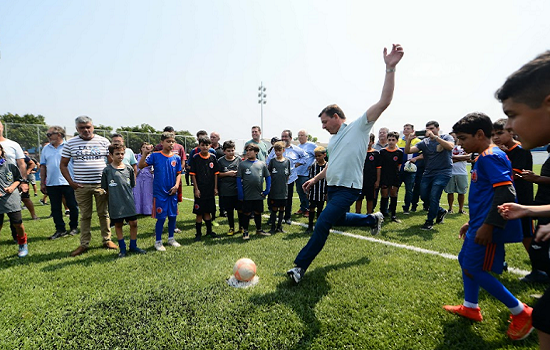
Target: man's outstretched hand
393	58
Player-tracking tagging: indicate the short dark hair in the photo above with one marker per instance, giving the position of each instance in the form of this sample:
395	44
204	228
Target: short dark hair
530	84
113	148
168	129
412	126
394	134
499	124
331	110
472	122
167	135
289	133
116	135
228	144
372	137
205	140
252	146
432	122
256	127
201	133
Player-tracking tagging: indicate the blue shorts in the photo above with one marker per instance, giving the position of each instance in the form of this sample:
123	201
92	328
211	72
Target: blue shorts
476	257
163	207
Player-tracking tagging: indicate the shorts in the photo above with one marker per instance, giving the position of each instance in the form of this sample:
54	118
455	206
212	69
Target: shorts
256	206
457	184
527	227
230	203
476	257
541	310
15	218
369	193
539	254
32	179
204	206
121	220
387	182
25	194
276	203
163	207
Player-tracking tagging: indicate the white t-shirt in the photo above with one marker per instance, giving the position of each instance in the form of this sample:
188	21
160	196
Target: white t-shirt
12	150
459	168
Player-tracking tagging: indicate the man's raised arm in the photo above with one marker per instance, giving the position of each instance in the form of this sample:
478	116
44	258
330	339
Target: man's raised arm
391	60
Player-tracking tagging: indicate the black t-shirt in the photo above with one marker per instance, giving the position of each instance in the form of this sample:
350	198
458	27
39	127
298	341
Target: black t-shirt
391	161
543	192
205	170
521	159
372	162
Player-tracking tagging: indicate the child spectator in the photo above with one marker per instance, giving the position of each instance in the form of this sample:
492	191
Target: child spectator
318	192
279	168
390	159
204	174
250	176
117	180
459	181
166	181
10	200
227	185
143	192
371	179
486	232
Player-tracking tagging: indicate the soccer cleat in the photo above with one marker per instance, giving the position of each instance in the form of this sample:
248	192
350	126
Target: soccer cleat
441	216
473	314
427	226
159	247
74	232
245	235
536	276
395	219
521	325
309	230
121	255
197	238
67	212
288	222
138	250
212	235
295	274
231	232
42	202
23	250
280	229
58	234
177	230
374	230
263	233
172	242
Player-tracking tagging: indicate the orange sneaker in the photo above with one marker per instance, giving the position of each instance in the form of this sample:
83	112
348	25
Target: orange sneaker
521	325
473	314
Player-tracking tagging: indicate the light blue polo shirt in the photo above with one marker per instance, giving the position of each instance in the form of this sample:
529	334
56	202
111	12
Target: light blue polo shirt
309	148
51	158
347	152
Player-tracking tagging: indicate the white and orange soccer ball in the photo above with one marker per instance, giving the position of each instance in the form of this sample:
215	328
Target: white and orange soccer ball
244	270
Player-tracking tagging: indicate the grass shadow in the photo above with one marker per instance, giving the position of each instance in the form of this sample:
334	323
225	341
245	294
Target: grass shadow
304	297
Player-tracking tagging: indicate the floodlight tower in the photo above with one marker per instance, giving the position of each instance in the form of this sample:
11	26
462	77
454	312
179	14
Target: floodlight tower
262	101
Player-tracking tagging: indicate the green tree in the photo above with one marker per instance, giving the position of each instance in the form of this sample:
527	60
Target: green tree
28	130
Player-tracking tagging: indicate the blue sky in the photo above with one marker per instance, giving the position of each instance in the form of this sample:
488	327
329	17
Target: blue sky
198	64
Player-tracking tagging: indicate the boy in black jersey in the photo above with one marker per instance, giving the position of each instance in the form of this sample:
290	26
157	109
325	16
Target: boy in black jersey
318	192
204	173
279	168
391	158
371	179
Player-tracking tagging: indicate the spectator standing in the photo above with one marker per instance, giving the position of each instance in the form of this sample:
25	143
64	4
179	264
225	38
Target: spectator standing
382	139
143	192
256	140
303	171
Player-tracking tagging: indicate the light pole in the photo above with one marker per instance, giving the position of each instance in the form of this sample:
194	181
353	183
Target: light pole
262	101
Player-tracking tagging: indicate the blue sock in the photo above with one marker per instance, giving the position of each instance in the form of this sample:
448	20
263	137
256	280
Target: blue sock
171	226
495	288
122	245
158	228
471	289
133	244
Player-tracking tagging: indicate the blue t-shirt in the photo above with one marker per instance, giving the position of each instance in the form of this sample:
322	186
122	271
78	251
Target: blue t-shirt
167	169
438	160
492	169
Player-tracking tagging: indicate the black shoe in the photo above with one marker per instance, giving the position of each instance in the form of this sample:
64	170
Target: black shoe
441	216
197	238
58	234
309	230
295	274
288	222
505	266
74	232
212	235
138	250
280	229
121	255
223	214
386	215
395	219
536	276
428	225
413	208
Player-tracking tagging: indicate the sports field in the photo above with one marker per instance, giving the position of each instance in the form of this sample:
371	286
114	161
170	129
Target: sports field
382	293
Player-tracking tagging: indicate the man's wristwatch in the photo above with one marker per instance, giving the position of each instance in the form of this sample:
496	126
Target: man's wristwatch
24	181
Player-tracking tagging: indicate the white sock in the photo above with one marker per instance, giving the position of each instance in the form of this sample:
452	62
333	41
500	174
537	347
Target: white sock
470	305
517	310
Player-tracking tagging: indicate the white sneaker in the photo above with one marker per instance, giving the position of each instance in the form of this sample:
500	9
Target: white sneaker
378	225
159	247
173	242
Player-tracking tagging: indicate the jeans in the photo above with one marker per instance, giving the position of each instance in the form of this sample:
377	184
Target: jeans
408	179
339	201
304	202
359	220
56	194
431	189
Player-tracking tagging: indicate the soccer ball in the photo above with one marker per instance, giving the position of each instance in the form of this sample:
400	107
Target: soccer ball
244	270
410	167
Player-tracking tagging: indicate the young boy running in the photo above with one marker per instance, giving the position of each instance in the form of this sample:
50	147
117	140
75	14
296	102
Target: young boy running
227	185
118	180
390	159
371	179
279	168
204	174
318	192
250	179
487	232
166	181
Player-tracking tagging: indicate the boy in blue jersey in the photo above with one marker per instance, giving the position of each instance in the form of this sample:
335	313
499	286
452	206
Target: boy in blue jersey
204	173
487	232
165	187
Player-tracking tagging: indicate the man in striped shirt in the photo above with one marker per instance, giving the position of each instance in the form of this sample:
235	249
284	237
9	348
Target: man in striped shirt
88	152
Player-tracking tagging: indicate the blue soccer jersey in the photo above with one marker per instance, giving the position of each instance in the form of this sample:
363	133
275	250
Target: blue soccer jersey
492	169
166	169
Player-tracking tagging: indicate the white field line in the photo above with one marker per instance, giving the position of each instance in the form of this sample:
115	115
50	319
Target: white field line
399	245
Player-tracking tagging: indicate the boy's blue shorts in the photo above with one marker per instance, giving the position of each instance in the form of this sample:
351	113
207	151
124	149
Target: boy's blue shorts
167	206
476	257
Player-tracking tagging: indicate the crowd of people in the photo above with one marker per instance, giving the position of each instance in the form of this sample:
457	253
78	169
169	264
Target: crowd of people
329	181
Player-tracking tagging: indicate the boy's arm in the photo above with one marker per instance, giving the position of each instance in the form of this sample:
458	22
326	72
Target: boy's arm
502	194
378	173
307	185
195	186
216	184
142	163
391	60
240	191
267	186
530	176
174	189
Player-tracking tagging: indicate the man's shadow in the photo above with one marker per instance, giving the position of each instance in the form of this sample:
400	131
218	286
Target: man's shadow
302	298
